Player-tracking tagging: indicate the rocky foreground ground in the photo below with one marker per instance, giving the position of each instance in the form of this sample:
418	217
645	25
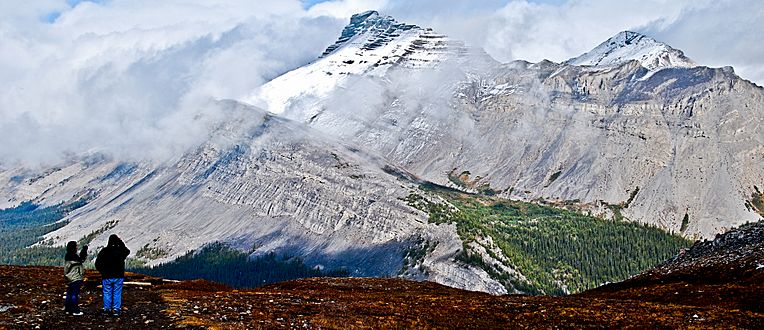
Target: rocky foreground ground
32	297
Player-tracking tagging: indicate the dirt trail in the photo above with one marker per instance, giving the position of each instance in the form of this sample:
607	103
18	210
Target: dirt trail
33	297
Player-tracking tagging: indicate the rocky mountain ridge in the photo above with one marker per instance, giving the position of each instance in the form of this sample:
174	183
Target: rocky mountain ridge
631	117
726	271
740	252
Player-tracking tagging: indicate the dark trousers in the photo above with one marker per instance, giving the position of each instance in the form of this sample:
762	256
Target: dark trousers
72	297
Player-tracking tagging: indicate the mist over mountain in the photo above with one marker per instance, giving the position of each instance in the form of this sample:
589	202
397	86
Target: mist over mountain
130	78
391	149
121	78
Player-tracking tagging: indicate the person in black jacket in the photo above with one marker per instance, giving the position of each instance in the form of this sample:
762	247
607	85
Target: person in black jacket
74	273
111	264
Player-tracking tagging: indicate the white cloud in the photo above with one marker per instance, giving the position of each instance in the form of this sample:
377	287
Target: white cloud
719	34
714	33
133	76
346	8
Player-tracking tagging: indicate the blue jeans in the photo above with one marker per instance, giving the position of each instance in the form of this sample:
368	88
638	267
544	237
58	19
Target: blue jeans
72	295
112	294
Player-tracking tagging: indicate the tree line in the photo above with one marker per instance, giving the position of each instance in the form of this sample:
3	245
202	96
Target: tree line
219	262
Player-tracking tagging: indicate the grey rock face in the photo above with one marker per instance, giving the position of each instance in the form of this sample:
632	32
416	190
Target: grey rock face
688	139
262	184
632	126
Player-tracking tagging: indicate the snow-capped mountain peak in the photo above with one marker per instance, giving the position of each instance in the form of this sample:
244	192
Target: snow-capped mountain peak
627	46
370	44
371	40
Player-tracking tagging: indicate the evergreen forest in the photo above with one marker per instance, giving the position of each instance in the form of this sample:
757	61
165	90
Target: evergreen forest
557	251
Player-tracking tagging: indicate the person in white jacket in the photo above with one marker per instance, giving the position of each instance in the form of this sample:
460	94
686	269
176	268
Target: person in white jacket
74	272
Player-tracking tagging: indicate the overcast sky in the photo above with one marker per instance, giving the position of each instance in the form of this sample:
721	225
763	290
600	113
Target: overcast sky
133	76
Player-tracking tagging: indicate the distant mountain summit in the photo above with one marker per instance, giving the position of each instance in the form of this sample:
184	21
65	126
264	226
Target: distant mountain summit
628	46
